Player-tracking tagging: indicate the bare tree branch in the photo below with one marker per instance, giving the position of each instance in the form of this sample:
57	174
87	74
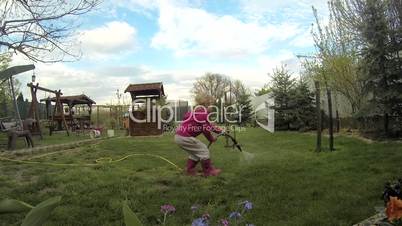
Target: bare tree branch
42	30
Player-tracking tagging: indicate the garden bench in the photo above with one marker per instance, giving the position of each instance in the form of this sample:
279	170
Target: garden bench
14	132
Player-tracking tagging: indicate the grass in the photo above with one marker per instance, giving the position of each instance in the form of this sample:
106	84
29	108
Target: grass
288	183
57	138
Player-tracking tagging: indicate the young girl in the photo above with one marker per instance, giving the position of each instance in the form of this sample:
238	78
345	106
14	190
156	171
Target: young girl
194	123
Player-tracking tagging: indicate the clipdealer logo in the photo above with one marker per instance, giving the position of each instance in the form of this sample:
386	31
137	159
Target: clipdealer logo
148	111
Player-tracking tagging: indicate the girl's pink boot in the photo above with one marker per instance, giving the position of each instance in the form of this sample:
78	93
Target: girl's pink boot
208	169
190	168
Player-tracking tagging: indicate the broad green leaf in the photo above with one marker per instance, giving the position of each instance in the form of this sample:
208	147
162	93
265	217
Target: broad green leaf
130	219
13	206
40	213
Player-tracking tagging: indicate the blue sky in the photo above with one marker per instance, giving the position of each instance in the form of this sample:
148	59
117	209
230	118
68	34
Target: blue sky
176	41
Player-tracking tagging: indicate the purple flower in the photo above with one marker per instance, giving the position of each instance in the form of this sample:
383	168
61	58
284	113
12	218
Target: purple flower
166	209
200	222
234	215
224	222
247	205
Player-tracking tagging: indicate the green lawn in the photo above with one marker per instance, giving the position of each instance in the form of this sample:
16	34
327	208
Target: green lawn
57	138
288	183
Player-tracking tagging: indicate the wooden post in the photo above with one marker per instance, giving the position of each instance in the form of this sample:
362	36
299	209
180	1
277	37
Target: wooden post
225	118
117	117
97	116
59	107
338	122
319	118
34	111
386	124
70	115
331	121
48	105
5	107
234	135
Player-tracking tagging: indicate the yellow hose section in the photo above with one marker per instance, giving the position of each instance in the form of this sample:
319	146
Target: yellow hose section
110	160
52	153
100	161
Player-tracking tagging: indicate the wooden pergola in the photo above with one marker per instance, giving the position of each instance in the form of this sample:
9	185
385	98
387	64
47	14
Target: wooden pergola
144	97
74	121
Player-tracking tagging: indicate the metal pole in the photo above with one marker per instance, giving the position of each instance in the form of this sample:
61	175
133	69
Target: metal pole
17	111
331	121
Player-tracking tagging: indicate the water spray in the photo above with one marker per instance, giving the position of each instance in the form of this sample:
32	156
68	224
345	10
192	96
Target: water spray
246	156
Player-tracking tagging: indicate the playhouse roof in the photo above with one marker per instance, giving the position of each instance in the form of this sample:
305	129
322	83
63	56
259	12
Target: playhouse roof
145	89
77	99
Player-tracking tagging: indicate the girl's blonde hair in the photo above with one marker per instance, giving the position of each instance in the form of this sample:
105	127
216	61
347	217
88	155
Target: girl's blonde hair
204	100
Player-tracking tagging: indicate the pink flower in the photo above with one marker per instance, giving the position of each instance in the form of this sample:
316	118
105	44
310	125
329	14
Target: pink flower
166	209
224	222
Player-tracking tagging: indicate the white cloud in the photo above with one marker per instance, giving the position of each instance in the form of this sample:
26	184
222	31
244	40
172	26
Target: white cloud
294	11
73	82
178	91
142	4
256	77
101	83
196	32
144	7
186	31
268	63
70	81
291	10
113	38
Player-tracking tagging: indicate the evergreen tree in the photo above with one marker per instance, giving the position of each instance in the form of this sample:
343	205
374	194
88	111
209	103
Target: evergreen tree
374	34
376	29
283	91
245	109
305	106
264	90
22	106
394	62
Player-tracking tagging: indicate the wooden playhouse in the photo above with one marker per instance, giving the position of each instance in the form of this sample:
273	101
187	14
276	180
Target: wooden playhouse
143	118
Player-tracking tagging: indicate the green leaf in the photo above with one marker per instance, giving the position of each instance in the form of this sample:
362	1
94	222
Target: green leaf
130	219
40	213
13	206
